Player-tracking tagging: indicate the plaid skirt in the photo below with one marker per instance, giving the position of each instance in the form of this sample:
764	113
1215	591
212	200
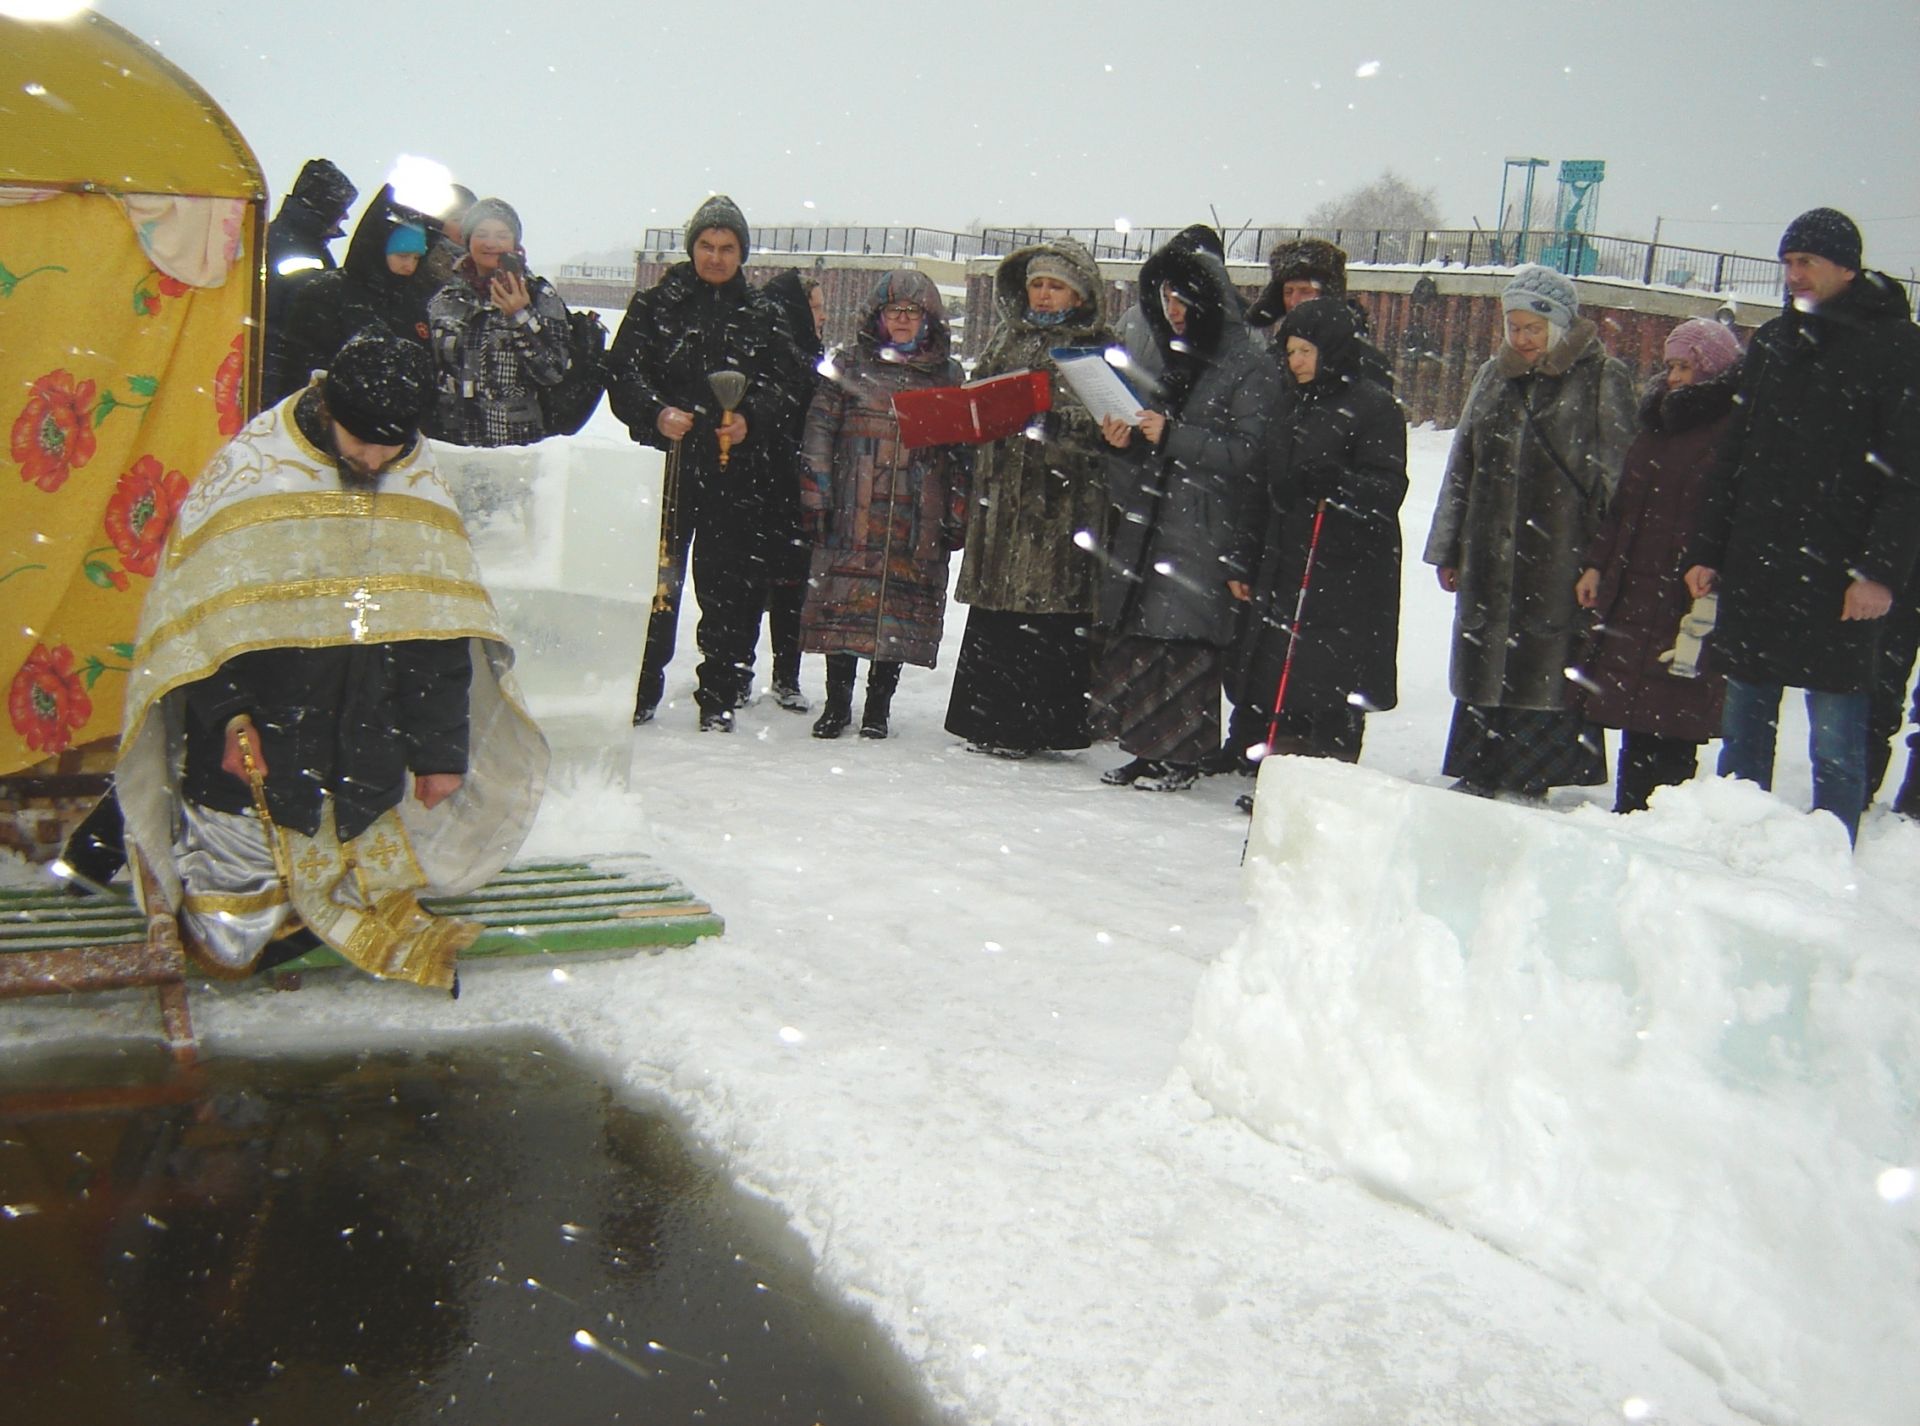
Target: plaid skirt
1166	696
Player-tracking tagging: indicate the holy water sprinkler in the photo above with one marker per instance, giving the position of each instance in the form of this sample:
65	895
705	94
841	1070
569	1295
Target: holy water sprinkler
728	388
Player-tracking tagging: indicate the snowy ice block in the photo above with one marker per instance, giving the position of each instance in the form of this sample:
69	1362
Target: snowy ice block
567	533
1668	1058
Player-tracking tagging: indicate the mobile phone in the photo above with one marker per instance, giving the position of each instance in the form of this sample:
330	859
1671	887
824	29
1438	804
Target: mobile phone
511	262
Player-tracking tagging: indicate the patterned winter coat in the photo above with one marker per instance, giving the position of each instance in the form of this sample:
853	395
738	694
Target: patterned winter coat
490	363
1179	508
886	516
1515	526
1641	555
1818	481
1032	498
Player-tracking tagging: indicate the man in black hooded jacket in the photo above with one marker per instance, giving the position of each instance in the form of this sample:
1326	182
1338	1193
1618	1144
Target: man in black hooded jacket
312	215
702	317
379	285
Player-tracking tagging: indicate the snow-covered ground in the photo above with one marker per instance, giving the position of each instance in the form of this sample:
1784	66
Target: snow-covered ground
1438	1112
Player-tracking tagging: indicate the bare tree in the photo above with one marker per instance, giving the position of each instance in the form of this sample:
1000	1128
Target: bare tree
1387	202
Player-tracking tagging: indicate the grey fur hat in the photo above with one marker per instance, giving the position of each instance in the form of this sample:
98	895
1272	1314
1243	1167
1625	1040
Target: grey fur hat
1543	292
720	211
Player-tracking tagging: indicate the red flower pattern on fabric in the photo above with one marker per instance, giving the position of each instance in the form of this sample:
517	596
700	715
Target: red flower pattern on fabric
53	434
142	510
48	700
228	384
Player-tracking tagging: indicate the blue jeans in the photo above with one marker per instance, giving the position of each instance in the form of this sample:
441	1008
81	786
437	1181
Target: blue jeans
1837	743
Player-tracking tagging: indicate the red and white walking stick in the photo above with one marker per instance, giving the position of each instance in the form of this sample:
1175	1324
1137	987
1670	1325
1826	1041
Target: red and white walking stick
1293	635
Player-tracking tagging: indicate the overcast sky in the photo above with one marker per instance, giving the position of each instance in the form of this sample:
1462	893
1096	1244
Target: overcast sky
598	118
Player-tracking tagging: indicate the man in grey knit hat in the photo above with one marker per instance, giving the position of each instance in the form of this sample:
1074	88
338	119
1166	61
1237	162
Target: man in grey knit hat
699	319
1812	517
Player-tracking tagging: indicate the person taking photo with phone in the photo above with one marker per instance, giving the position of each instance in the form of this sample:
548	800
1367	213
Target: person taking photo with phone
498	333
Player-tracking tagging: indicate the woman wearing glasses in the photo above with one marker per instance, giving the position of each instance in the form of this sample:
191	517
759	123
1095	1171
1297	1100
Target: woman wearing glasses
883	518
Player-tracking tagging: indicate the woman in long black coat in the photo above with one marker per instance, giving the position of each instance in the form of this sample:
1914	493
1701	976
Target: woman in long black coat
1183	485
1336	478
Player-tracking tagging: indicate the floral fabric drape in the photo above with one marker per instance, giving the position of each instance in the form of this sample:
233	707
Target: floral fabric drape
117	385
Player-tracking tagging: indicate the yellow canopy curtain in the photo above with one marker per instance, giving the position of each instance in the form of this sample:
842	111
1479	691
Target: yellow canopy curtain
131	219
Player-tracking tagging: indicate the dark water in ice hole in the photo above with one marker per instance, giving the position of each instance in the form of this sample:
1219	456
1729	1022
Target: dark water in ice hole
397	1238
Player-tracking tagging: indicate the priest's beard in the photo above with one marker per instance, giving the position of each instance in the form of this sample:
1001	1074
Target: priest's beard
355	477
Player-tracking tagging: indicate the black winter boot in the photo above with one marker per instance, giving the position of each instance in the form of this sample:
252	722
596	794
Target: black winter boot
838	713
883	676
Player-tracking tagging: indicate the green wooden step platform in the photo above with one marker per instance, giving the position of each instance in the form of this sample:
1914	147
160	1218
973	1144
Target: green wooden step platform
51	943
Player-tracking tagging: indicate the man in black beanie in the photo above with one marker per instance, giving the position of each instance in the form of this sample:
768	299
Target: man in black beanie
700	319
319	644
1812	516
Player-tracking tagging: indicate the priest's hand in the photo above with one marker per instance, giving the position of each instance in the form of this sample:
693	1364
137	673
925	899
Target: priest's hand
433	788
231	759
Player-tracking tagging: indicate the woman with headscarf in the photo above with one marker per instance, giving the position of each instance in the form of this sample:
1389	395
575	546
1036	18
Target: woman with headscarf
499	333
1535	459
1326	601
884	517
1183	485
1029	573
1633	577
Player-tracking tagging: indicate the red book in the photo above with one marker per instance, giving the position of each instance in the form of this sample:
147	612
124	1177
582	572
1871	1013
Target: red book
979	411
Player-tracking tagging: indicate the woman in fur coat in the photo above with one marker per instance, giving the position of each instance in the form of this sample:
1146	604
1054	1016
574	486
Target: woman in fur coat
1535	459
1030	571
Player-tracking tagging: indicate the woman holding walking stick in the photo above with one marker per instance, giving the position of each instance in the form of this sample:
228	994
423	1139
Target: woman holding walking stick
1319	651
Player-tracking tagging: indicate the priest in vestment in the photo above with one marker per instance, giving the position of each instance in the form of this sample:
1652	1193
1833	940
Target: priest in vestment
322	724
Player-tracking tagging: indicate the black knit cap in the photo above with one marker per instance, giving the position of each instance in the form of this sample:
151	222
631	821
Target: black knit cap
380	387
1824	232
719	211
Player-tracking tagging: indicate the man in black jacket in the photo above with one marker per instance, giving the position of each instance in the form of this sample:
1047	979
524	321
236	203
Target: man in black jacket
310	217
1812	516
702	318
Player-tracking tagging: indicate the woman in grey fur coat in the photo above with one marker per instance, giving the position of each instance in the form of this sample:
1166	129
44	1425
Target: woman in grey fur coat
1029	573
1535	460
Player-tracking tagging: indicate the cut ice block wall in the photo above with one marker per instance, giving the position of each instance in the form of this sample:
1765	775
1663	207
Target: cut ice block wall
1593	1042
